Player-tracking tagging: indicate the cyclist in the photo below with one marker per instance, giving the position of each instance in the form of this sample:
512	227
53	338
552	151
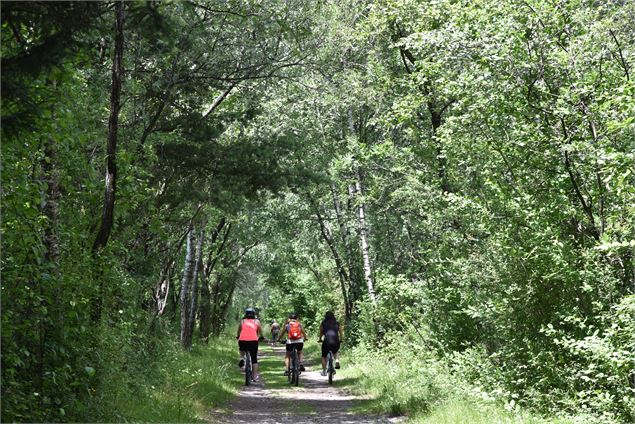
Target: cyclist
249	332
295	338
331	330
275	330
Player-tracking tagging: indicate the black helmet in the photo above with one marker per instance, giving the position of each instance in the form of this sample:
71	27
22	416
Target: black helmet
293	315
250	313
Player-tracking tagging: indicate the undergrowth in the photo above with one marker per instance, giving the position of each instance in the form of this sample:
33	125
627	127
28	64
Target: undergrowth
178	387
195	382
423	388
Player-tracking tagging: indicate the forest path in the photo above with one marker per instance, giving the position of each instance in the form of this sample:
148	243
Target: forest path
273	400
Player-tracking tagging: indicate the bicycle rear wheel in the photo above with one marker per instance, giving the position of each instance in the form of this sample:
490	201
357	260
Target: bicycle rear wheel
329	366
296	368
248	369
290	370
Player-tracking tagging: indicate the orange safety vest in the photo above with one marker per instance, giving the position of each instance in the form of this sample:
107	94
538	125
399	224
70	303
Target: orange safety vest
249	330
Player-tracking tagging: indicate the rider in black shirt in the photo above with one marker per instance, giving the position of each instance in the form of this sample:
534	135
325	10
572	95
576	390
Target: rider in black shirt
331	330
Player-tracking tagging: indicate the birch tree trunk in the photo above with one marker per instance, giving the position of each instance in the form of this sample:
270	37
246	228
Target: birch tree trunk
108	212
364	237
162	289
346	241
185	300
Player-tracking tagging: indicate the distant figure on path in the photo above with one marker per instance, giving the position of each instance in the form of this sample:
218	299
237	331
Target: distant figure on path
275	330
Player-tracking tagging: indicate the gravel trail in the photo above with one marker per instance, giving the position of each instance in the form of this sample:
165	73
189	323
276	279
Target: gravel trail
312	402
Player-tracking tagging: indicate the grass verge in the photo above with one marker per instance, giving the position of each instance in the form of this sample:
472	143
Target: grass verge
191	384
426	393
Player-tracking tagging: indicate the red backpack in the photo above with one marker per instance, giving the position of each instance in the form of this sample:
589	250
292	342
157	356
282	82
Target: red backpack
295	330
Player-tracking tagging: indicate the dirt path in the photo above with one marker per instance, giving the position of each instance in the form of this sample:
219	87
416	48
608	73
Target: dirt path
274	401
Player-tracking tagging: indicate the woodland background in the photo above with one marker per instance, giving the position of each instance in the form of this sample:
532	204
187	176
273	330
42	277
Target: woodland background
454	177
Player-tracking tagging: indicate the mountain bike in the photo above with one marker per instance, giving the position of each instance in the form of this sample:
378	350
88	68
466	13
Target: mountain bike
330	367
294	367
248	369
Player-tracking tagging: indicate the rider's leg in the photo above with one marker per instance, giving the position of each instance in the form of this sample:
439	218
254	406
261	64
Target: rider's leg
287	356
254	362
301	357
324	353
241	363
254	368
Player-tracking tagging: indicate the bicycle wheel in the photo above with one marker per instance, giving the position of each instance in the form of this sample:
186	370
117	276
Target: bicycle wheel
296	368
248	369
290	371
329	366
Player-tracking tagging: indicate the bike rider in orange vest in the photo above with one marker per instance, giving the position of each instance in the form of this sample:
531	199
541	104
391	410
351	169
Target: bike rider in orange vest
249	332
295	338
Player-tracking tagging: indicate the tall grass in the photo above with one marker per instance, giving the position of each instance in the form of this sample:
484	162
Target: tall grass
177	386
196	382
423	388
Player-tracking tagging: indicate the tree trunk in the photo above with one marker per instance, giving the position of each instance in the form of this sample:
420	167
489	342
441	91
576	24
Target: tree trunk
355	271
111	167
364	237
205	312
162	289
436	119
216	309
341	271
195	277
209	314
222	316
188	270
346	241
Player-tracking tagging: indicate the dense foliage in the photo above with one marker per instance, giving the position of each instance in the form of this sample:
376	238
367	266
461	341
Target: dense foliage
454	178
